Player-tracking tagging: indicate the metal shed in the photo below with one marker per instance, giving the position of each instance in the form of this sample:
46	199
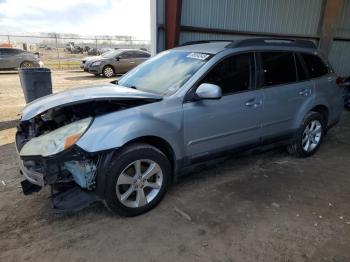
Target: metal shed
326	22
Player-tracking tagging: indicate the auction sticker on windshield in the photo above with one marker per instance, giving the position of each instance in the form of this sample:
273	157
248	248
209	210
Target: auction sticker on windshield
199	56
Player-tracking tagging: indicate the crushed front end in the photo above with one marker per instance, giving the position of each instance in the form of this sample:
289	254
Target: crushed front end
48	155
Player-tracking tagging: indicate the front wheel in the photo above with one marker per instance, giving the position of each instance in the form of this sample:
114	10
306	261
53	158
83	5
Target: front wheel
309	137
138	180
108	71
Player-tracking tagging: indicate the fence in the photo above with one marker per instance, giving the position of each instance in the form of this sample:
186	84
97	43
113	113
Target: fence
66	51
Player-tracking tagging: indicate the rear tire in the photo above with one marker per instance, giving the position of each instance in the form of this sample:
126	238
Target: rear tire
309	136
108	71
137	180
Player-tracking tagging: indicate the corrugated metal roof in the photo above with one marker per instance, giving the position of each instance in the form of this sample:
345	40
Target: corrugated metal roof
276	16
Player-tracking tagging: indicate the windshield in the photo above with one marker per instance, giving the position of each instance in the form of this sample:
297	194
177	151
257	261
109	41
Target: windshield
165	73
110	54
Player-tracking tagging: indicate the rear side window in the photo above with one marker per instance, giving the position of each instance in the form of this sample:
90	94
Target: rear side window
315	65
233	74
278	67
142	54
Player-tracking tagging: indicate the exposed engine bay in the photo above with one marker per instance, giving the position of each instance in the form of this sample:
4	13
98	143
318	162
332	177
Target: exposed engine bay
60	116
73	166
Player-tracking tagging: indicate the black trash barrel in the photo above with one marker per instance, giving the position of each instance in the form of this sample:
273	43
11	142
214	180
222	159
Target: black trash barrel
35	82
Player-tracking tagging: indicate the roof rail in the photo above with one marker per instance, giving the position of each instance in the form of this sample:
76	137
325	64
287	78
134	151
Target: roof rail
203	42
273	42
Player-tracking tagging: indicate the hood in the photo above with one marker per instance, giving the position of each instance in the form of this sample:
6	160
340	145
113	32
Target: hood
82	95
91	57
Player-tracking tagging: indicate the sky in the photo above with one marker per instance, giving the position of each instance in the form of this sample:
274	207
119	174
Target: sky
84	17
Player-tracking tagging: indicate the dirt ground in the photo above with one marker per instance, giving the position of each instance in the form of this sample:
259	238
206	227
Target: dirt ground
262	207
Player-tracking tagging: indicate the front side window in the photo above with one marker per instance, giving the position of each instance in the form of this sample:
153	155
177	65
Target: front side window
315	65
127	55
278	68
165	73
233	74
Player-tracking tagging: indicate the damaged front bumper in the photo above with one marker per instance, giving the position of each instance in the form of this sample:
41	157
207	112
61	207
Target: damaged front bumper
71	167
73	164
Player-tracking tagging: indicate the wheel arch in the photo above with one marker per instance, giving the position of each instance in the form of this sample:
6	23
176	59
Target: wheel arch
323	110
161	144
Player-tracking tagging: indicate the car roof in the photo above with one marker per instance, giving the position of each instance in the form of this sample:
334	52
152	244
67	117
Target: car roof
216	46
130	49
206	47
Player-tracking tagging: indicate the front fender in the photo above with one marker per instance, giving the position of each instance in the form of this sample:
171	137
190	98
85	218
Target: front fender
118	128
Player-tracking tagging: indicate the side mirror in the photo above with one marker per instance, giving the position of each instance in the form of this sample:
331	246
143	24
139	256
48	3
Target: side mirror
117	58
208	91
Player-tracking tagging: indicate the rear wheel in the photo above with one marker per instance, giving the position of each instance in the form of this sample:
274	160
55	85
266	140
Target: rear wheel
108	71
309	136
27	64
138	180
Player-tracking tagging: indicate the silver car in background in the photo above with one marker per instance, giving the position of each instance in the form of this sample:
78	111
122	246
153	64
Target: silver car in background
125	144
12	58
115	62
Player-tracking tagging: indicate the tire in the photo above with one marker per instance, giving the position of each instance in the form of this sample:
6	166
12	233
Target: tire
309	136
108	71
26	64
122	182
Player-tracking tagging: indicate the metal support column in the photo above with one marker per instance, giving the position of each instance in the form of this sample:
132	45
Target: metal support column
328	24
172	22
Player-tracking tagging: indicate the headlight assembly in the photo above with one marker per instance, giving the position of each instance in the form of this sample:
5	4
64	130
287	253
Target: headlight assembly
96	63
57	140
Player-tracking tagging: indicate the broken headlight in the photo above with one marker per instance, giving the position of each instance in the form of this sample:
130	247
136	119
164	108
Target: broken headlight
57	140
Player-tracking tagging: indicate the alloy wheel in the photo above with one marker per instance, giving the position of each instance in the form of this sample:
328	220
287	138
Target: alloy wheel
139	183
108	72
312	135
27	65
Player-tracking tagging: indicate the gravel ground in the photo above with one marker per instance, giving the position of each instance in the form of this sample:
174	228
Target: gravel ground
262	207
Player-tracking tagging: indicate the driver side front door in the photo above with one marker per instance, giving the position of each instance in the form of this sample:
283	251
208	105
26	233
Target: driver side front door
234	121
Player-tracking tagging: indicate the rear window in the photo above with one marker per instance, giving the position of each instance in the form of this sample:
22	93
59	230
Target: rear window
315	65
278	68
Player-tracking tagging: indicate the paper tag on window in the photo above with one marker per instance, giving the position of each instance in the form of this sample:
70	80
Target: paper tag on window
199	56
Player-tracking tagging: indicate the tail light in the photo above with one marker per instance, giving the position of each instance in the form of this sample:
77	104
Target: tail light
340	81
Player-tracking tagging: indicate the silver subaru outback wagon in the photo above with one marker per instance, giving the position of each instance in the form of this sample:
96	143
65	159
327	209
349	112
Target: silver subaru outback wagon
125	144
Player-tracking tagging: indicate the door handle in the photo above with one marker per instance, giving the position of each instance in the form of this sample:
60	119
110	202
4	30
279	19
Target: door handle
304	92
253	103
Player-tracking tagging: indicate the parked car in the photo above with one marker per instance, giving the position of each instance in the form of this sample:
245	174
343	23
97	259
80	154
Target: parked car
76	50
12	58
83	61
115	62
93	52
346	85
127	143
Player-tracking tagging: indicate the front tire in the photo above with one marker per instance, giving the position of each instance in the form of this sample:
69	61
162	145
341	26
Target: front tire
108	71
137	180
309	136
